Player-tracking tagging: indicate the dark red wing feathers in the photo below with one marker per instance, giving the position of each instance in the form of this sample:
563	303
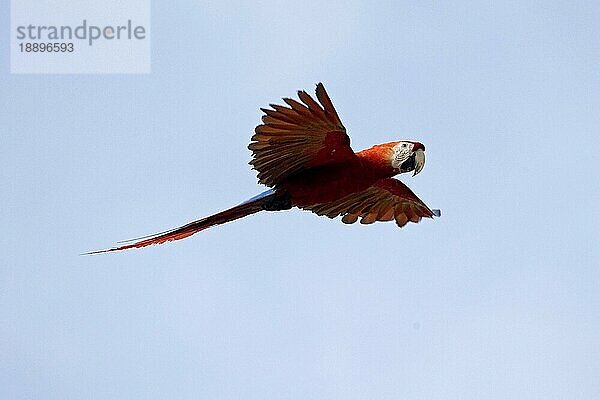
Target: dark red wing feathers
301	136
387	199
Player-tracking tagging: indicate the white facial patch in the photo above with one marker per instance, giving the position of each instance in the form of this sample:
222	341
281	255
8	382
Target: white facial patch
401	153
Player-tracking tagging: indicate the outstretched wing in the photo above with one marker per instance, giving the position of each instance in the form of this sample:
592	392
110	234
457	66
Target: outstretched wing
386	200
298	137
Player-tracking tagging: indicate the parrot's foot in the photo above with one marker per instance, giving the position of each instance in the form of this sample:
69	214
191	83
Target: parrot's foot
280	201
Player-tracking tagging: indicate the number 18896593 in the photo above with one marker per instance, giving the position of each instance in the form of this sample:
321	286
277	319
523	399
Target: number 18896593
35	47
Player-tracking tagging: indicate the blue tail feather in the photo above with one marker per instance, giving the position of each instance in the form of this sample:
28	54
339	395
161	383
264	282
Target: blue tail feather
260	196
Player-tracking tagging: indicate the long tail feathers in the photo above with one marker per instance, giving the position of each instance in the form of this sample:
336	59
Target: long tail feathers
252	206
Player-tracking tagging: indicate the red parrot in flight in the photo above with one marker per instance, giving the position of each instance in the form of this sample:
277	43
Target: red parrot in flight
303	153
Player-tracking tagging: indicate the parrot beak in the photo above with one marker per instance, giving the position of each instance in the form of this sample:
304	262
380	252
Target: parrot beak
419	156
415	162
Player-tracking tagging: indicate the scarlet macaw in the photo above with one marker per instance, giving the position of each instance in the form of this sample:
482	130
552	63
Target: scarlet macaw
303	153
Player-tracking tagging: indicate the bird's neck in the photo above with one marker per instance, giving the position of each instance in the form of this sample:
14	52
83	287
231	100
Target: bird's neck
377	160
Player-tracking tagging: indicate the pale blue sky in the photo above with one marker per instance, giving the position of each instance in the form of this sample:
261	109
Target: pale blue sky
499	298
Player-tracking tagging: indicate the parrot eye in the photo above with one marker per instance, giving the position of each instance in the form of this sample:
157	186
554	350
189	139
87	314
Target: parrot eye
403	144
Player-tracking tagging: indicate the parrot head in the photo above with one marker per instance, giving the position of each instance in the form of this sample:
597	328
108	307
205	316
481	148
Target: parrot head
408	156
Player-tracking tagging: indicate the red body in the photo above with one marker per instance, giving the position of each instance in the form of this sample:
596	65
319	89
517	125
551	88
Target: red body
330	182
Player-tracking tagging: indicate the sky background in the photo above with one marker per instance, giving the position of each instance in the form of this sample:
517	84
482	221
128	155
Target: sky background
499	298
